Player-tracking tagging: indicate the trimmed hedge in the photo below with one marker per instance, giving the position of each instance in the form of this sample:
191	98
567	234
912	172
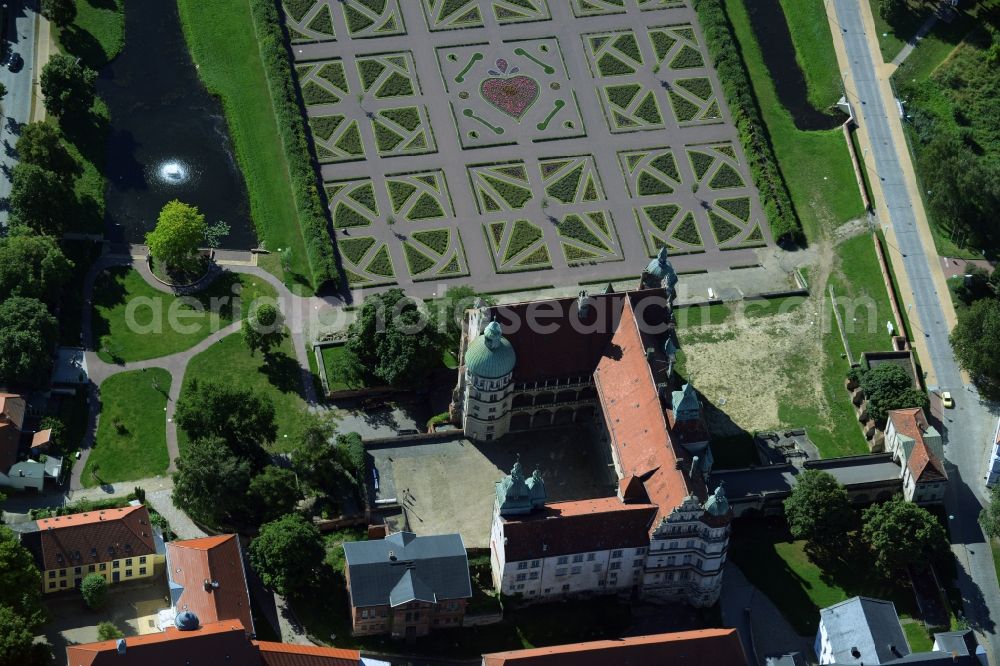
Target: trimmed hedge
284	99
736	85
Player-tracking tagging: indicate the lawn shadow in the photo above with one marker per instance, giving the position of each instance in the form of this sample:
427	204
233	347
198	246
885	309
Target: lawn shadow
81	43
282	372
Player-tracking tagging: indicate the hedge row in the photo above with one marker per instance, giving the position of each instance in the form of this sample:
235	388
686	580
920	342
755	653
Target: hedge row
736	85
281	83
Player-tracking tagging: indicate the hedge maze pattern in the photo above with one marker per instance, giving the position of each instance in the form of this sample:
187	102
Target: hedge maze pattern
693	100
435	253
517	246
613	53
570	180
500	186
676	47
336	138
419	196
323	82
402	131
668	225
387	75
589	237
732	225
372	18
650	172
630	107
715	166
454	14
366	261
352	203
309	20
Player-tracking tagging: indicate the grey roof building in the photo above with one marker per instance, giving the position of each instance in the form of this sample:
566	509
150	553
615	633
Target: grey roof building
404	567
860	631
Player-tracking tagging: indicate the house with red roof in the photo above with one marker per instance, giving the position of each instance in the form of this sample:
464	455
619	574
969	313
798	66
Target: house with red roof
918	449
605	360
24	474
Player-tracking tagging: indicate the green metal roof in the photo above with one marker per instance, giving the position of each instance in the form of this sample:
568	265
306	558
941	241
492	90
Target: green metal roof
490	355
661	268
717	504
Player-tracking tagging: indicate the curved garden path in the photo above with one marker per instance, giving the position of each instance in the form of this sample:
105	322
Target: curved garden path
297	310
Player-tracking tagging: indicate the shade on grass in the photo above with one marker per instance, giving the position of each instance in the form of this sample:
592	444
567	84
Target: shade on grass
118	287
132	431
97	33
229	362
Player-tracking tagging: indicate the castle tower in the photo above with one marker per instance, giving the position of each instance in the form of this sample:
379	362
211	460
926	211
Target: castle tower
489	370
660	273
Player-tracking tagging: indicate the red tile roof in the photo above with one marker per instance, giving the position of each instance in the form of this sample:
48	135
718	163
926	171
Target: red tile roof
95	536
41	438
923	464
281	654
636	420
564	528
715	647
213	644
215	559
561	344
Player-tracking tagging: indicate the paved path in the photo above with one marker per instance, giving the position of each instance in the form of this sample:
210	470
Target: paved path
922	285
912	43
19	34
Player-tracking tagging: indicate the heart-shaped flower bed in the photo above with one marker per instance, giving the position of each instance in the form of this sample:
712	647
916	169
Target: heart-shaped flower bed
513	96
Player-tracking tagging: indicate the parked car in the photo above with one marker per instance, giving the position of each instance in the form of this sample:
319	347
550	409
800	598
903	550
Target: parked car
13	61
947	401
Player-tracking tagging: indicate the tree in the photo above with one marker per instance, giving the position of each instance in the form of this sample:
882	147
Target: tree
94	589
273	493
211	482
901	533
33	267
286	553
264	329
58	438
180	231
107	631
40	143
391	338
28	335
892	10
17	637
20	581
989	517
450	312
243	418
60	12
326	464
975	340
40	200
818	509
889	387
67	86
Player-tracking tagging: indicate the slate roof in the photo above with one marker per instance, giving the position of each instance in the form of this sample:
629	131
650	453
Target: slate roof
216	560
95	536
704	646
869	625
427	568
564	528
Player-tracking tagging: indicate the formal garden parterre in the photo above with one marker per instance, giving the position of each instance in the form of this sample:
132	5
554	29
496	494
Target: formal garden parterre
460	143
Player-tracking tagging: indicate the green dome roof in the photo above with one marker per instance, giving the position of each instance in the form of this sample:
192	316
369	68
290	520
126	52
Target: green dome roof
661	269
490	355
717	504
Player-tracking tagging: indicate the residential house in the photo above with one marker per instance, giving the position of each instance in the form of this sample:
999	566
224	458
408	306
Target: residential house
704	646
405	585
210	644
119	544
21	475
918	448
862	630
206	577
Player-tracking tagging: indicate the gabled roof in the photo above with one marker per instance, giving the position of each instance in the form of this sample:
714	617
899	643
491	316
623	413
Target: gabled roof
283	654
924	465
12	408
922	462
41	438
404	567
564	528
212	644
868	626
95	536
705	646
210	573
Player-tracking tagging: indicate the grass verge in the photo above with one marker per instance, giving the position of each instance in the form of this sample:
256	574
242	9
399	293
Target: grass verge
810	31
132	432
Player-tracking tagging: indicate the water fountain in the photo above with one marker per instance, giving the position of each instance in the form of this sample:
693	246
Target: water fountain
173	172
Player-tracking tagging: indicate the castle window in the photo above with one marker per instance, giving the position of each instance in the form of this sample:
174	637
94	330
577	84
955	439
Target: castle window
575	570
590	557
533	575
563	560
521	577
578	558
522	565
616	565
535	564
616	553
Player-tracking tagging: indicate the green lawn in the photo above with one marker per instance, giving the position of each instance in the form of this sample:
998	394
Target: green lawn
892	38
132	432
814	52
222	41
780	568
330	358
230	363
816	165
197	316
97	34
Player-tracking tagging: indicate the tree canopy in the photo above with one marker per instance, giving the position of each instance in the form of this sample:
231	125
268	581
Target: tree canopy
67	86
107	631
60	12
329	465
887	387
180	231
892	10
212	482
17	637
20	601
393	340
901	533
243	418
286	553
40	200
264	329
989	517
33	267
94	590
450	312
273	493
975	340
818	509
40	143
28	334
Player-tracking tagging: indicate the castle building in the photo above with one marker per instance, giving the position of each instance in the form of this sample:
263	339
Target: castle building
605	360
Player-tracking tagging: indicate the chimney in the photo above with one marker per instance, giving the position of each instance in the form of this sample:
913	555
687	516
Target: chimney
694	465
856	653
120	646
392	556
649	353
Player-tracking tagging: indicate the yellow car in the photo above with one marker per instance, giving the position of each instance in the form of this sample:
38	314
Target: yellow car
946	400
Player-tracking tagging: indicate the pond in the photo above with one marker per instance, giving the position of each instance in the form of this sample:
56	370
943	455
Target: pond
771	30
168	137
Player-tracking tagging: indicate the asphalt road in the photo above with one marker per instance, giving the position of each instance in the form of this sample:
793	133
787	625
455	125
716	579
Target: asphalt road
968	427
19	36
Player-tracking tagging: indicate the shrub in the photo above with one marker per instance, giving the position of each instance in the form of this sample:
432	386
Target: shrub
648	185
701	87
94	590
345	216
396	85
426	207
381	264
661	216
325	126
416	260
700	162
356	21
524	234
322	22
687	231
369	69
648	110
662	43
515	195
725	177
564	189
722	228
684	109
609	65
736	85
666	165
313	93
627	45
537	258
740	207
355	248
350	141
687	58
621	96
573	227
407	117
385	138
334	73
436	239
281	83
365	195
399	192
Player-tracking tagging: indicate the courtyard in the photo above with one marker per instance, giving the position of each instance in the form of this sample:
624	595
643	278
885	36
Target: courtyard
513	143
447	484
